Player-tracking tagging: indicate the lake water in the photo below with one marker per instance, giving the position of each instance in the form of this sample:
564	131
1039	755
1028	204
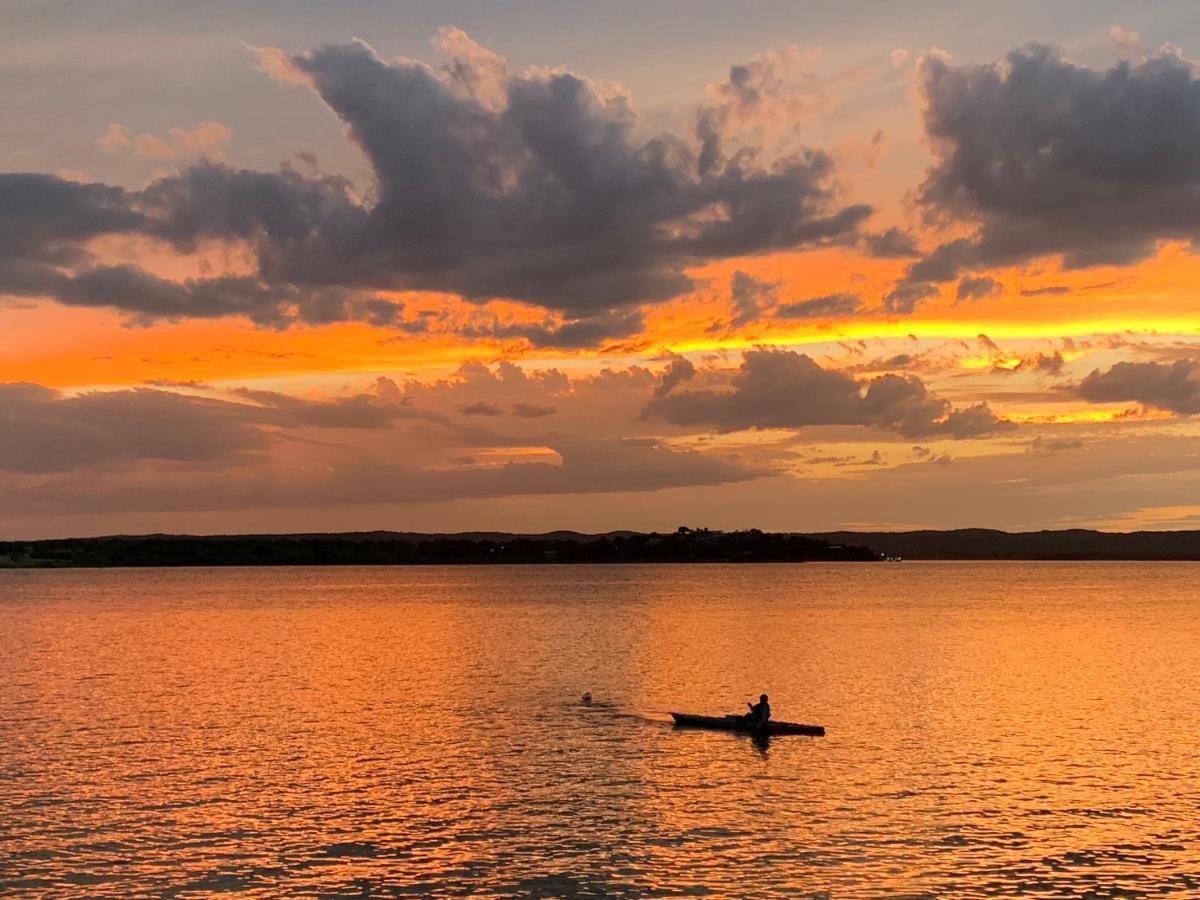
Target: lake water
993	729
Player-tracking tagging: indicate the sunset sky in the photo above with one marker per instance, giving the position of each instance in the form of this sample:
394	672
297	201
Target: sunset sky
525	266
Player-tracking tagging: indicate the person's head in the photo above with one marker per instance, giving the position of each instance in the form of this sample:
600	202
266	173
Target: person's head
762	698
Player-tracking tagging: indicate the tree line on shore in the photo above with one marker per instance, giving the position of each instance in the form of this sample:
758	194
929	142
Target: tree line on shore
686	545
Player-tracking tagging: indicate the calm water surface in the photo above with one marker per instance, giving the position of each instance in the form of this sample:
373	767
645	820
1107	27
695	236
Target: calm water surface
993	729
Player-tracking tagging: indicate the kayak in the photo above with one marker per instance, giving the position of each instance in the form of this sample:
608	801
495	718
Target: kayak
736	723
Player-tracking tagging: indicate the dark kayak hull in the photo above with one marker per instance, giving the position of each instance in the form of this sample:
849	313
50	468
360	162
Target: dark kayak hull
735	723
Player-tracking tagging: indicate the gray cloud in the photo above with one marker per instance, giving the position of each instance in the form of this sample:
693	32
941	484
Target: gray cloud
754	299
784	389
379	408
533	410
891	244
819	307
679	370
1051	158
751	297
588	331
769	91
45	224
904	298
1174	387
585	466
1048	445
534	187
46	219
1045	363
977	288
42	430
481	408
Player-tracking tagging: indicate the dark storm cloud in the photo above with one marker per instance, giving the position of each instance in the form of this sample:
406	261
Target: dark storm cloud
1174	387
784	389
1049	157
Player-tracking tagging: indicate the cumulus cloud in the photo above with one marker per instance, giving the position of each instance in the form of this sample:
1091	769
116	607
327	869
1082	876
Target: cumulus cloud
785	389
205	140
774	92
1126	43
678	371
46	224
1047	157
1170	386
535	186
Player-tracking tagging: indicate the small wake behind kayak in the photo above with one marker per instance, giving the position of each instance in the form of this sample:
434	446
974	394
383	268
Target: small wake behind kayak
736	723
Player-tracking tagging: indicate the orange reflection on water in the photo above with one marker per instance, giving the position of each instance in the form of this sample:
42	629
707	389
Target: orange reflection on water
992	729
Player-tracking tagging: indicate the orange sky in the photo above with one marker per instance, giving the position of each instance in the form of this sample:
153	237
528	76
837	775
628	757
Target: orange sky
1097	361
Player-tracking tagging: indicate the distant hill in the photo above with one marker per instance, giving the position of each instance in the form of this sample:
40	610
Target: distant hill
684	545
983	543
389	548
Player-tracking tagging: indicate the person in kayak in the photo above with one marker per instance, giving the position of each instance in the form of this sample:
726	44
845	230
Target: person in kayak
760	712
